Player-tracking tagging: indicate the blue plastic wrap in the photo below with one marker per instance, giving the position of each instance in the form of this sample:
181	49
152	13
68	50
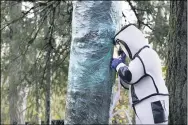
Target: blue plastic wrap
90	79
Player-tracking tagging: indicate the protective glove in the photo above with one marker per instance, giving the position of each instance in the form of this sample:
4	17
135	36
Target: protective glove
115	62
123	57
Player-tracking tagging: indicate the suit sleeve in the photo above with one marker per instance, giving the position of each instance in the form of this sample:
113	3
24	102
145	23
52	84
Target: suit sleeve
132	73
125	85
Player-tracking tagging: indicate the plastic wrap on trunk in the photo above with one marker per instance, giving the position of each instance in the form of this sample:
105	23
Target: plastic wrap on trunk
90	79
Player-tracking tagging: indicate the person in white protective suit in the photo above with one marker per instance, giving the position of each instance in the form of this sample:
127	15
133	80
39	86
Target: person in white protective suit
148	93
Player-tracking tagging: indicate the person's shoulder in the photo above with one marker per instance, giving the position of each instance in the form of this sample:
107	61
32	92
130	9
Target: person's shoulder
146	51
149	54
149	51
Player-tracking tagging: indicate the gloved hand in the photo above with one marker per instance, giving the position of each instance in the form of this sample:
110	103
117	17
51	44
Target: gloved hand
123	57
116	62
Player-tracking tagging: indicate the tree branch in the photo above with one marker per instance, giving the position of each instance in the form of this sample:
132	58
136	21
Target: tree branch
140	9
58	64
51	32
13	21
136	14
25	13
30	41
147	25
5	2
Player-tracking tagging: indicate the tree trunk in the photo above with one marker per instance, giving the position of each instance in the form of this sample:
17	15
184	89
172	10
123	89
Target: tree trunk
49	38
177	63
37	92
90	76
36	73
37	103
17	93
48	87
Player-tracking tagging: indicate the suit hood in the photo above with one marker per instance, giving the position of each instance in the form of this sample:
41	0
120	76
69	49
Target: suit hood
132	39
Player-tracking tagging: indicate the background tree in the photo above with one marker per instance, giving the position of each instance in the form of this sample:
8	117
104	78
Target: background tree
14	78
152	18
177	62
31	45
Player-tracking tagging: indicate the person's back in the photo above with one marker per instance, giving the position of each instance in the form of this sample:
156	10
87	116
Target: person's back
152	81
150	90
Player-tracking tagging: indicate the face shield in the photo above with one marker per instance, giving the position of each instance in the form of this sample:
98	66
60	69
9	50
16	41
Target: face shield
122	48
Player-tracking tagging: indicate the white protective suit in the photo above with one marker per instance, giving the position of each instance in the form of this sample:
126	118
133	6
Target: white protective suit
148	93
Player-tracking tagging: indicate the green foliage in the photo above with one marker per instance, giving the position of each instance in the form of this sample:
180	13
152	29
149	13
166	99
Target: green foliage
27	34
164	69
153	17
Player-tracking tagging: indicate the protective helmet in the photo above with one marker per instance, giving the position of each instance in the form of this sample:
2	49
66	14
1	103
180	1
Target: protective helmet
131	40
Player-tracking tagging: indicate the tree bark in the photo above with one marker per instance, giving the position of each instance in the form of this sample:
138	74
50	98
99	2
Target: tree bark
49	37
90	77
17	93
48	87
177	63
36	74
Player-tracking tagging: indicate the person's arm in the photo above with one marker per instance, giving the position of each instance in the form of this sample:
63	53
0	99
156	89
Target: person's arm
132	73
124	84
